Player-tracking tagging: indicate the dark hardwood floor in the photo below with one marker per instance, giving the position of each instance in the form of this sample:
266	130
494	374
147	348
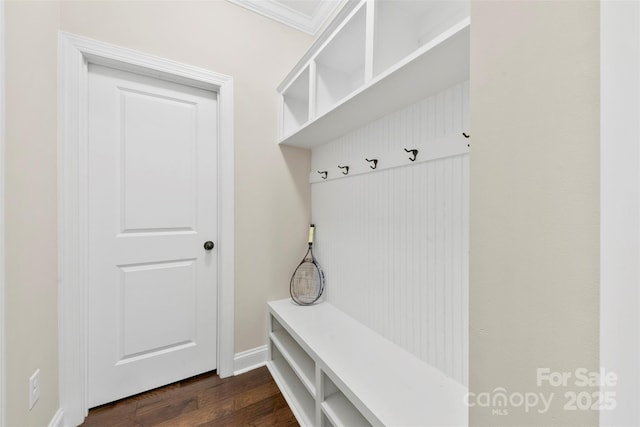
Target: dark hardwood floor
250	399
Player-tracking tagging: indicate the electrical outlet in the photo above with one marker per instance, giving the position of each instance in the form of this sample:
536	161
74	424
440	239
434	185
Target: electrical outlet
34	388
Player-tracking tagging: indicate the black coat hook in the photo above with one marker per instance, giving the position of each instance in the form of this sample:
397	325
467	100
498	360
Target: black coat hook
414	153
323	174
466	135
374	161
345	171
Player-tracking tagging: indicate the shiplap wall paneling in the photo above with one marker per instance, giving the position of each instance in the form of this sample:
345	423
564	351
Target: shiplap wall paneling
434	126
394	242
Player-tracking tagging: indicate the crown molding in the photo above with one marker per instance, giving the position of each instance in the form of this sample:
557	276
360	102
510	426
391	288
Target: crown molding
286	15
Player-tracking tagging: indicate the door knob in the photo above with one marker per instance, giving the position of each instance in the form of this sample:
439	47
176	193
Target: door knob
208	245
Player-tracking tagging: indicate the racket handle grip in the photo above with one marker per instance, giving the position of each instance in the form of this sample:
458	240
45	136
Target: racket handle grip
311	233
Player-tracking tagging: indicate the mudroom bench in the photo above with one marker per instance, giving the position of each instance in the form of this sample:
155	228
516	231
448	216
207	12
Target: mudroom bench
335	371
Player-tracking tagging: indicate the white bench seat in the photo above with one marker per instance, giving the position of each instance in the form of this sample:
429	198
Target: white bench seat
333	370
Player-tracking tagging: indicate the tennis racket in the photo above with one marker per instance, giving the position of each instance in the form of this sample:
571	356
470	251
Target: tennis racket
307	282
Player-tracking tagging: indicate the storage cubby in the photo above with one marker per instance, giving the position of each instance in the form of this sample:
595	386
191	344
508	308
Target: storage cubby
302	403
403	27
296	357
338	409
340	66
295	103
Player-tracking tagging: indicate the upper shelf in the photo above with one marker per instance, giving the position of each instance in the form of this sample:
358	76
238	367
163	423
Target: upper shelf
379	60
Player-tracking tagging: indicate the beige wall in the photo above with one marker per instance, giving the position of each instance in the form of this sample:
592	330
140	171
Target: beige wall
272	199
534	202
31	217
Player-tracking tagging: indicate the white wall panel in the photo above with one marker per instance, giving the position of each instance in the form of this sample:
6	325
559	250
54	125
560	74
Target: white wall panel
394	243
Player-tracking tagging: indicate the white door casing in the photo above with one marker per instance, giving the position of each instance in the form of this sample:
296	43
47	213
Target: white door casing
152	205
76	54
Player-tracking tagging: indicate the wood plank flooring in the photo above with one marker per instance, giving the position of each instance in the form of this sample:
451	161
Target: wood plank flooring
250	399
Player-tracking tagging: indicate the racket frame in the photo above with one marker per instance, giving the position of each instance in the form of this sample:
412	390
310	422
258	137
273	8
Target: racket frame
312	260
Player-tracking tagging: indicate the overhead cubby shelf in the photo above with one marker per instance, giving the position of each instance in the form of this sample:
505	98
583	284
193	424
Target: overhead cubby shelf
295	103
404	27
340	66
385	56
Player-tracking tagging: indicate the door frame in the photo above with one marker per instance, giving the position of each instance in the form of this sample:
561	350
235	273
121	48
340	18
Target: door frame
75	55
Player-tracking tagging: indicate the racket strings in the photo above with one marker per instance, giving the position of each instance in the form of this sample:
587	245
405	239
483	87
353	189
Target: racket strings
307	283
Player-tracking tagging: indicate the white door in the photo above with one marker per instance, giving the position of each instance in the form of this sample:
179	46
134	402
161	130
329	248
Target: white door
152	206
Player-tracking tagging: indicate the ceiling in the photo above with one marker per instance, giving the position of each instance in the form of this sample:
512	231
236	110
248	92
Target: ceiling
304	15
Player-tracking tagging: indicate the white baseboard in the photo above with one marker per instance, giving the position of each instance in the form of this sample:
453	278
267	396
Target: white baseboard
58	419
250	359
